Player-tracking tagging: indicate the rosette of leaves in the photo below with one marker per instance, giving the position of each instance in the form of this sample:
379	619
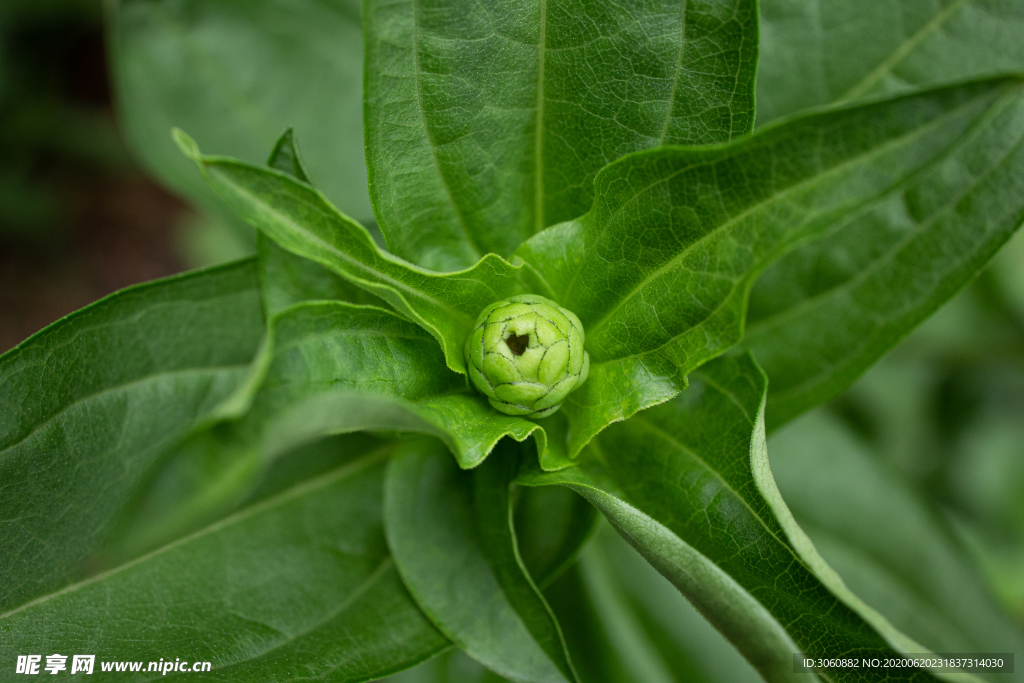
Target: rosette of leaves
279	466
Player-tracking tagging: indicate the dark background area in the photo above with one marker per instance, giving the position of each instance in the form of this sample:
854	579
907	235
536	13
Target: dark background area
78	218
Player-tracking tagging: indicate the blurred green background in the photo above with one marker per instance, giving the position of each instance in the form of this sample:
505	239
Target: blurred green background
935	430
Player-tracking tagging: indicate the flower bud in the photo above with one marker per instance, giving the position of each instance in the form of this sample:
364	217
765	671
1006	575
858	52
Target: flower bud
526	354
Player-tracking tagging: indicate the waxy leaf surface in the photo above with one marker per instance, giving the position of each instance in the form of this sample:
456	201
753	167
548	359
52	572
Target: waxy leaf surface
486	122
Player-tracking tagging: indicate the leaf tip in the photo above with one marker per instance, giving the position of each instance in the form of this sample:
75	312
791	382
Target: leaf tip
187	145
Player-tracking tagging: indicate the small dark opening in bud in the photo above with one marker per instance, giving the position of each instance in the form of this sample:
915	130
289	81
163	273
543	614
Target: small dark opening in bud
517	343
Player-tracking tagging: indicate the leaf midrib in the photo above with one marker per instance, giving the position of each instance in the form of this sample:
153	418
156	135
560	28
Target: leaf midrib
673	262
684	6
644	421
864	273
900	53
538	142
456	208
388	281
344	472
119	387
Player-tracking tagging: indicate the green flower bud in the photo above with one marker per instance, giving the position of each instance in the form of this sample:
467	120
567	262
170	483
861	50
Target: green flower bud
526	354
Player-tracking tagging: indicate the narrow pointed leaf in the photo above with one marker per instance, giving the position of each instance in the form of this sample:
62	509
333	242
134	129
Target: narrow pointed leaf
624	622
689	486
656	303
89	404
302	221
285	157
299	586
461	567
287	279
487	122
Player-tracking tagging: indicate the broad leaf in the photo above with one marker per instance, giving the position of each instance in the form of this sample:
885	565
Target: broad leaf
689	486
624	622
885	541
486	122
298	586
302	221
89	404
451	535
236	74
888	267
656	303
816	52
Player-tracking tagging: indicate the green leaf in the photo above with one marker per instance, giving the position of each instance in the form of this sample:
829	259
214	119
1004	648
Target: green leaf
299	586
624	622
236	74
889	266
689	486
885	541
496	535
326	368
451	535
486	123
89	404
302	221
551	525
287	279
656	303
451	667
816	52
285	157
